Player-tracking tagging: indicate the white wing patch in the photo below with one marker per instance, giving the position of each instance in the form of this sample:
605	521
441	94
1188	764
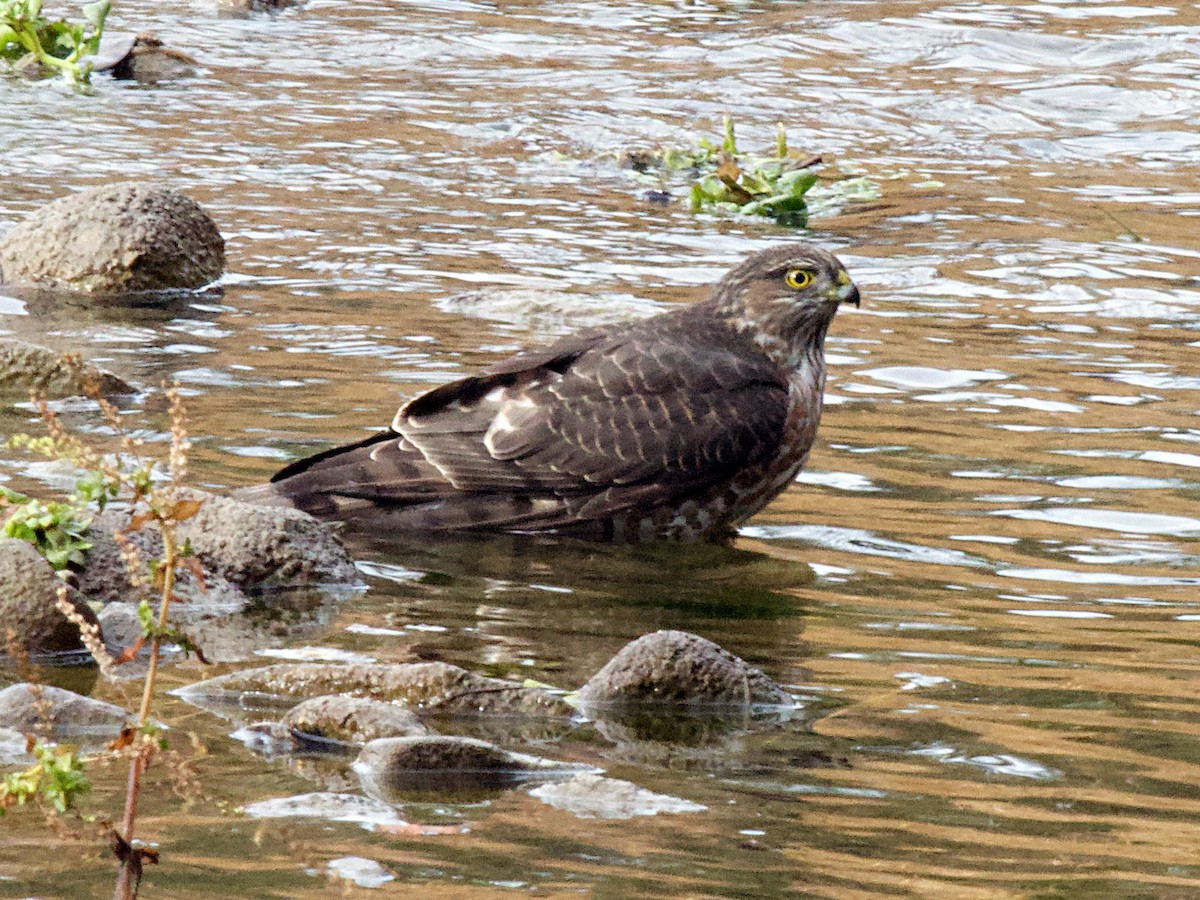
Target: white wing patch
510	413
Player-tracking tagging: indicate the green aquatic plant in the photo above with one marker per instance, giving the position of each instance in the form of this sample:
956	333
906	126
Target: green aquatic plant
773	186
29	39
779	184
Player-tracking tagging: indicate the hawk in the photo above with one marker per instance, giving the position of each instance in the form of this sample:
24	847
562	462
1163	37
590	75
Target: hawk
680	426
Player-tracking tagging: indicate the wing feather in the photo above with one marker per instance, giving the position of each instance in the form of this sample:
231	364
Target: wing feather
667	404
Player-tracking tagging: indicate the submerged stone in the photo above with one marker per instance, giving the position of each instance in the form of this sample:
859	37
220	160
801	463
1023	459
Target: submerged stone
28	592
366	873
115	238
441	763
592	796
676	667
26	367
430	688
548	311
240	9
334	807
25	708
339	719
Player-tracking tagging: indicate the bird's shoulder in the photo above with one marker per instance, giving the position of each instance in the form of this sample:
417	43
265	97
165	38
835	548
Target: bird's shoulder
687	350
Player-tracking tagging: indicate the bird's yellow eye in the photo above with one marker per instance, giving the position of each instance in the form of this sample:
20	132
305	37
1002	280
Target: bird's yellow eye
798	278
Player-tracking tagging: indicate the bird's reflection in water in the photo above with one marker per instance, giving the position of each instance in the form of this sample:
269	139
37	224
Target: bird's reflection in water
717	579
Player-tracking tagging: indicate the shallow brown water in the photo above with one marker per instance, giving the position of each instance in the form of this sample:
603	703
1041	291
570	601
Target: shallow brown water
985	587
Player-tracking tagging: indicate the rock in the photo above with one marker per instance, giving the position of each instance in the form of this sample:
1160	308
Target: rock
148	62
120	625
105	577
266	546
596	797
13	748
69	713
28	592
114	47
366	873
339	719
219	616
675	667
429	688
241	547
438	762
115	238
240	9
333	807
141	58
26	367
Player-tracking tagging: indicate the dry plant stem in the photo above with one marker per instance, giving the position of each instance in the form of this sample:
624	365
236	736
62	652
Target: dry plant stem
88	633
126	887
170	554
137	764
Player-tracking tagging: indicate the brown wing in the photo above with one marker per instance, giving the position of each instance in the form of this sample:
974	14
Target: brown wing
675	401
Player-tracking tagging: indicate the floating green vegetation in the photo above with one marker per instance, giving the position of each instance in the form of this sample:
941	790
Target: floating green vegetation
780	185
29	42
771	186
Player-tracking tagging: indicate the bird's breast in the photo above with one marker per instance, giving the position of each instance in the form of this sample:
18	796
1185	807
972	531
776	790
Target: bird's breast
756	486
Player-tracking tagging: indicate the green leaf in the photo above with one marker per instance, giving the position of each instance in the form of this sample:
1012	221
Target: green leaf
96	13
797	182
12	496
729	145
146	617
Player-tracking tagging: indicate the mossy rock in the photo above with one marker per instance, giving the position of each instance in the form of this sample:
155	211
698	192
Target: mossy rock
117	238
26	367
676	667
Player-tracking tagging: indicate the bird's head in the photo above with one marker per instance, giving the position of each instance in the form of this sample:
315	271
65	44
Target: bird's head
785	298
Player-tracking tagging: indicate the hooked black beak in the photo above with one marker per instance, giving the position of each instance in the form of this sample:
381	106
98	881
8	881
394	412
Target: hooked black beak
844	290
847	292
